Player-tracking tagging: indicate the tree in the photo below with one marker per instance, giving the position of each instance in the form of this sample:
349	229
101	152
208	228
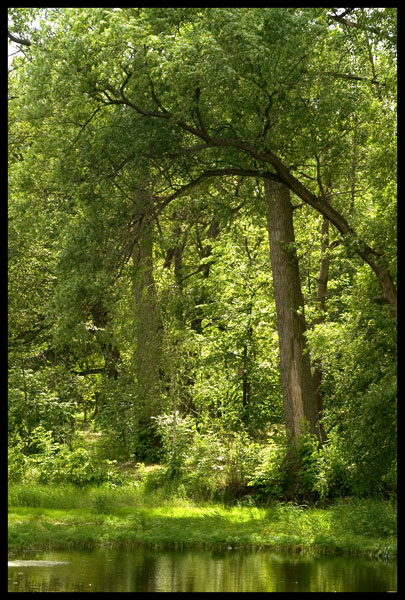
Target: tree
300	409
184	103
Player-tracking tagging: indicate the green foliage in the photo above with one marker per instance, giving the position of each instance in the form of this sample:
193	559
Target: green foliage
49	462
360	394
17	461
205	470
205	462
240	460
113	113
368	517
334	472
268	476
290	471
177	435
45	397
117	422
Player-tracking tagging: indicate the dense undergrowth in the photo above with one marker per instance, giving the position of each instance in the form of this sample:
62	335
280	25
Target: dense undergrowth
208	491
204	464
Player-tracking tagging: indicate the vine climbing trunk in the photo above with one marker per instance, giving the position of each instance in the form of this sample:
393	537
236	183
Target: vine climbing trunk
300	409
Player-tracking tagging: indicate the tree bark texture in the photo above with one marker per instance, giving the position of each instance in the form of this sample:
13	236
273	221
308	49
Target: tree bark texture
300	410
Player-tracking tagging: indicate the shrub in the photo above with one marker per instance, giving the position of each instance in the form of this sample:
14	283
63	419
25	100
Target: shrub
241	455
290	471
17	462
204	473
42	455
177	434
269	476
335	470
50	462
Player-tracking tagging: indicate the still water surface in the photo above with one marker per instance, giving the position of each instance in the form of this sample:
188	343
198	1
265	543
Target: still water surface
148	570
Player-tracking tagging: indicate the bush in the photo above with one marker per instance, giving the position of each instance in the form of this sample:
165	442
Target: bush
177	434
79	468
50	462
76	467
291	472
269	476
17	462
335	471
33	400
208	464
240	460
204	473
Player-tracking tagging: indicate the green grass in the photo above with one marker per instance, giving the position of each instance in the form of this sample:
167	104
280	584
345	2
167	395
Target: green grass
42	517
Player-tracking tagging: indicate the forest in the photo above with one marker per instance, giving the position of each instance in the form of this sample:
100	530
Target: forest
202	253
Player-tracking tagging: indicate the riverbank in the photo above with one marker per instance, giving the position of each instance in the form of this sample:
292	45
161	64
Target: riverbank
42	518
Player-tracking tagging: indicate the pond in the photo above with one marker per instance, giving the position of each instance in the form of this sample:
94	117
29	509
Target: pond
148	570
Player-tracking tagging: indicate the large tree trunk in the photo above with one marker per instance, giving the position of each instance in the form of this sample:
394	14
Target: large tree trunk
300	410
148	327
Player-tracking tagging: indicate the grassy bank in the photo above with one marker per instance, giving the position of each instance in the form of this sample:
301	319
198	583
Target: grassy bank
45	518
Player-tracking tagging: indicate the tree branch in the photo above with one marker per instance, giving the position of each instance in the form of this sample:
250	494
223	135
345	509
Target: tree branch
90	371
216	173
18	40
343	21
353	77
28	336
283	174
199	269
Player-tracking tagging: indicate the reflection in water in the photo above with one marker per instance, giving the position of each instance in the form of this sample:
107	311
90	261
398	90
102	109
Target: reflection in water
148	570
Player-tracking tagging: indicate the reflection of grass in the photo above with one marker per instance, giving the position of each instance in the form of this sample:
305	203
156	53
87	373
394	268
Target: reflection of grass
48	518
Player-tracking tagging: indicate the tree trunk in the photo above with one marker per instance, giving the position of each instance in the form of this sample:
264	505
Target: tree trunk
300	409
317	373
148	329
111	353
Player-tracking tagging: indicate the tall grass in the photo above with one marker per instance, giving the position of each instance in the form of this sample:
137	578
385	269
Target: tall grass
62	516
70	497
104	498
370	517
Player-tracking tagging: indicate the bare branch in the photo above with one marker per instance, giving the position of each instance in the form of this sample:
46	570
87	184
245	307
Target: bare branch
18	40
353	77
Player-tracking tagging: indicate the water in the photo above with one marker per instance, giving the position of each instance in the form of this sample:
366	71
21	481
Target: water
149	570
